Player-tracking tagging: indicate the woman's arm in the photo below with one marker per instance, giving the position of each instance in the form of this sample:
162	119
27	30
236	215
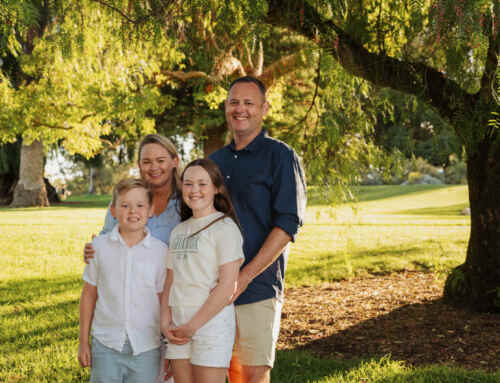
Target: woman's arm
109	224
219	297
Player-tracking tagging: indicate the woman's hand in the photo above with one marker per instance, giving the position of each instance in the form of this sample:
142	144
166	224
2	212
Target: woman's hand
88	251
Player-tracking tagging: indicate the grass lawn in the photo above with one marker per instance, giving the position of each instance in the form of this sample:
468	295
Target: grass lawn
390	229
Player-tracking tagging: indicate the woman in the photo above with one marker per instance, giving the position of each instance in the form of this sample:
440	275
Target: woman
159	167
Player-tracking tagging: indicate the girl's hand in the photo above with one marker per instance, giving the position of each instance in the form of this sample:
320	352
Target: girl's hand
176	338
184	331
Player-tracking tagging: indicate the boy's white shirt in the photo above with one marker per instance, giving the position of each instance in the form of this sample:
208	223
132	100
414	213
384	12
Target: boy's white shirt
128	282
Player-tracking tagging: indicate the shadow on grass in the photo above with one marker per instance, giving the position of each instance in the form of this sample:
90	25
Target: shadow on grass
317	195
418	334
41	336
452	210
81	201
294	366
29	290
328	266
86	201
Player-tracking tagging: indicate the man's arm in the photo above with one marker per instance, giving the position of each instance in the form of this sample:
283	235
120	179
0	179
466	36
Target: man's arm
271	249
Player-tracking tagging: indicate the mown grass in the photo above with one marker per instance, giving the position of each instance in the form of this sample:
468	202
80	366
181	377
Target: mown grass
389	230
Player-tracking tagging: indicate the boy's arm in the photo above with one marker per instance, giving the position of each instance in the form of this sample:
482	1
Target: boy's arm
87	307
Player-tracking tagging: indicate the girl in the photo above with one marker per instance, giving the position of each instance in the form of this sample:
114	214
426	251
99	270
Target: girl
202	269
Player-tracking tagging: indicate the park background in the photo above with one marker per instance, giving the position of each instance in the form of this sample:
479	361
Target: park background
392	105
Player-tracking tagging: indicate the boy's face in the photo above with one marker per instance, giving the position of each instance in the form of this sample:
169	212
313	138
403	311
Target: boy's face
132	210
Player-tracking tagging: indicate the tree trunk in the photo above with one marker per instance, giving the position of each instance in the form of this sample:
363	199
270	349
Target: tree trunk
30	189
476	283
91	189
215	139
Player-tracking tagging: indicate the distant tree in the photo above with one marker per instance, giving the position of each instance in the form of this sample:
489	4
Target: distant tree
68	77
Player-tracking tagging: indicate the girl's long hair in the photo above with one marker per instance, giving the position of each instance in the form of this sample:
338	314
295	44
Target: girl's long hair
222	200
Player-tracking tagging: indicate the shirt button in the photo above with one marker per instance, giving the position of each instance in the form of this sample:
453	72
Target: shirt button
235	156
228	177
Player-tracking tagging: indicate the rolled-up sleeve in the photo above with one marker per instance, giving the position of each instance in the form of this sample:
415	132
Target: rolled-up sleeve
289	193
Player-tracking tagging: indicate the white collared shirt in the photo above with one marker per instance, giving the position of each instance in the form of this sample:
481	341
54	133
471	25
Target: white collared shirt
128	281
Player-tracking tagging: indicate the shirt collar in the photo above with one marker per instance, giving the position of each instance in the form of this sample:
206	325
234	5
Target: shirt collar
253	146
116	236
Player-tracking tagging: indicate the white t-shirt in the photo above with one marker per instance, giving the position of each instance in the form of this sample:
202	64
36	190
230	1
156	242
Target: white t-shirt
195	261
128	282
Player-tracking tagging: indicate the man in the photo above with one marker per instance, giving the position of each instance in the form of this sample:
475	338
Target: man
267	186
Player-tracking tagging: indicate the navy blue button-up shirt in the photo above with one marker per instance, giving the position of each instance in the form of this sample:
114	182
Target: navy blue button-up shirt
267	187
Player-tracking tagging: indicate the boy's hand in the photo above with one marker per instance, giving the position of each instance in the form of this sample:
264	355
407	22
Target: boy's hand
88	251
84	355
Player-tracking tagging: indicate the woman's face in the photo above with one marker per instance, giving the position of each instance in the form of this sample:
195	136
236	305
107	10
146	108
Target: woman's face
157	165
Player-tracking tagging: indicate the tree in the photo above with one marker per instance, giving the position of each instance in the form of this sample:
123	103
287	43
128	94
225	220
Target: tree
68	78
445	53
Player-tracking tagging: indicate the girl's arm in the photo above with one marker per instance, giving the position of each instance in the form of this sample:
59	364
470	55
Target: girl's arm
219	297
165	313
87	307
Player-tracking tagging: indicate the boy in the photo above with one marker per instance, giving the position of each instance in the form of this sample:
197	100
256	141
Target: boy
120	296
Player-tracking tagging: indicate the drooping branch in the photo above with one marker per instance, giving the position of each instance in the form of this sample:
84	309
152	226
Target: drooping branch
280	68
413	78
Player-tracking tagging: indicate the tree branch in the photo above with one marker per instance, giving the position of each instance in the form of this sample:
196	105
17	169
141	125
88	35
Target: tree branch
115	9
413	78
279	68
488	80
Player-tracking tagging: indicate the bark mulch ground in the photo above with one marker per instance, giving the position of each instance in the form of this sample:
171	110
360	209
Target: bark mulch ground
401	314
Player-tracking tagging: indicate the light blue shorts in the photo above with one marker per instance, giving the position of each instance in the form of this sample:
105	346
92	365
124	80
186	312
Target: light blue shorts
111	366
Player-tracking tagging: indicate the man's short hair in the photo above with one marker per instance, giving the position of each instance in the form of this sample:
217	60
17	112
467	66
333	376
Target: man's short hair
253	80
128	184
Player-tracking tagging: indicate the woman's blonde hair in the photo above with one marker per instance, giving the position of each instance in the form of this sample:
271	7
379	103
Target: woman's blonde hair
172	150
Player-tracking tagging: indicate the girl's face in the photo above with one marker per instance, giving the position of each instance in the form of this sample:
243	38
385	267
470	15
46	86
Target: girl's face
157	165
198	191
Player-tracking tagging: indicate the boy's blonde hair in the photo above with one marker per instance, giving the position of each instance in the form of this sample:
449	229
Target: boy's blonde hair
128	184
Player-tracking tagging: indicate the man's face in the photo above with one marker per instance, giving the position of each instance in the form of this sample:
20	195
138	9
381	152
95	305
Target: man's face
245	109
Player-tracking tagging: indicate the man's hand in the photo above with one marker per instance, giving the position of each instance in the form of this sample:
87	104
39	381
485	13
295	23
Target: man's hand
241	285
84	355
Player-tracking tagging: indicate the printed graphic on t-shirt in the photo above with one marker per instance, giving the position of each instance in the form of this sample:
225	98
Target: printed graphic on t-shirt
181	246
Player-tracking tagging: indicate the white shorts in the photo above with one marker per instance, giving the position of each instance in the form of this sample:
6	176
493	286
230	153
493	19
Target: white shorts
212	344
